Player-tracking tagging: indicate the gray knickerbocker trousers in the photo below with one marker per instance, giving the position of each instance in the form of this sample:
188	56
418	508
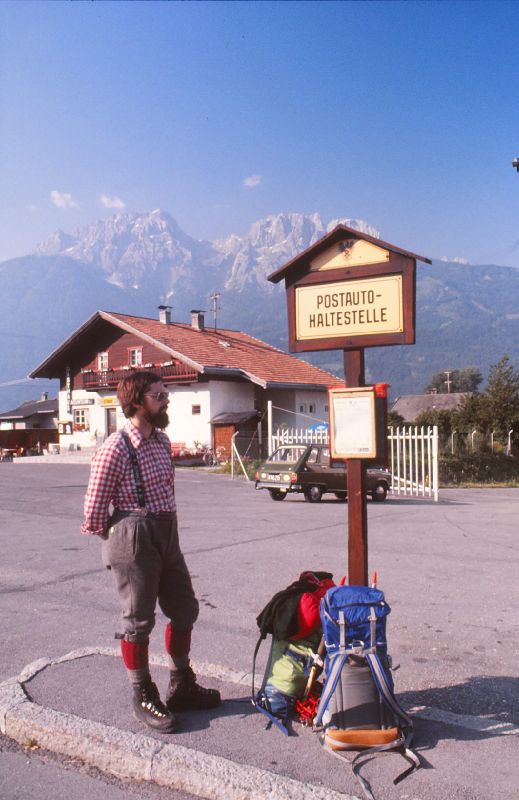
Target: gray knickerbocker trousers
143	552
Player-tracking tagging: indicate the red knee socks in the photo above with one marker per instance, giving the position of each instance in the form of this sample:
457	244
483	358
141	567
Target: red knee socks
178	645
135	657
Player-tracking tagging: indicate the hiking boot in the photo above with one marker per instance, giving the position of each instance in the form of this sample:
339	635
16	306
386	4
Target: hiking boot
184	693
149	708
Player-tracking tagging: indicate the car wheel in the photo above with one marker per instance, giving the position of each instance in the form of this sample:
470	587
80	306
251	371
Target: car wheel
340	495
379	493
313	494
275	494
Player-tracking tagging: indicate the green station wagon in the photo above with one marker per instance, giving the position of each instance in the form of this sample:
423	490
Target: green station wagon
308	469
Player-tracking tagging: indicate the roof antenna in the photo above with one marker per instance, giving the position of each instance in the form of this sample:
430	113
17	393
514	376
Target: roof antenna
215	297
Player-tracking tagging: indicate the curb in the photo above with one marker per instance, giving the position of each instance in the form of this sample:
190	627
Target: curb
139	757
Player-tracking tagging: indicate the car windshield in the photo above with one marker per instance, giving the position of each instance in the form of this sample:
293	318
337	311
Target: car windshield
286	455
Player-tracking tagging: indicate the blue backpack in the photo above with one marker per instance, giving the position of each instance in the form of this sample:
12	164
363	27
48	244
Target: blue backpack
358	709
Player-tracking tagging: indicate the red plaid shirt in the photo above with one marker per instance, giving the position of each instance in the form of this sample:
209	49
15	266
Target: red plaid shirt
112	479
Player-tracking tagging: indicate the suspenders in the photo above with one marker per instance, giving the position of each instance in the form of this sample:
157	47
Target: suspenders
136	471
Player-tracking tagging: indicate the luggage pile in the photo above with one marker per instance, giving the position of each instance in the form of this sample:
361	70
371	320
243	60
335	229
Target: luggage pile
353	706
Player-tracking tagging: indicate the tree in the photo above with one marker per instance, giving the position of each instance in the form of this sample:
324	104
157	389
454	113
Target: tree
395	420
502	397
497	408
467	379
440	417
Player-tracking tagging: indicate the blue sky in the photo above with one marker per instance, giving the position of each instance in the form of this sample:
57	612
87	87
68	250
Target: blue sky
403	114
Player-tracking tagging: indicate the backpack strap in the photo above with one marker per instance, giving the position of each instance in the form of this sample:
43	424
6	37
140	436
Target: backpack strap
336	664
273	720
406	723
136	470
380	678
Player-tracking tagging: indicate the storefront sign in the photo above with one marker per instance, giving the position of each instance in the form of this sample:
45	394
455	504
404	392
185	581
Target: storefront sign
68	386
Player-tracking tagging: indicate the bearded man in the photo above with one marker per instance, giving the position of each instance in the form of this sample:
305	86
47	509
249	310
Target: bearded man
133	473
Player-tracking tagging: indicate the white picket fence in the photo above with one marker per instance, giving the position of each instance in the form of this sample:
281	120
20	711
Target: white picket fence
413	460
413	456
298	436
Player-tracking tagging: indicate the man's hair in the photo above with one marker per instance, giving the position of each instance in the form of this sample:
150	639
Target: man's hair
131	390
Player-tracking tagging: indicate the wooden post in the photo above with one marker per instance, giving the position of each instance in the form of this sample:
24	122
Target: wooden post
357	503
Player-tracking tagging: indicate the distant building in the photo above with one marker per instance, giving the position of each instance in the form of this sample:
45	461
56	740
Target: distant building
410	406
219	380
31	426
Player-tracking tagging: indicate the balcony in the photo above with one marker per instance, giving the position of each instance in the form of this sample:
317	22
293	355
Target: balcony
108	379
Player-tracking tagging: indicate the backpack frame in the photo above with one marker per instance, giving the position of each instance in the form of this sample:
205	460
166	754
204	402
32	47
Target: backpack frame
358	709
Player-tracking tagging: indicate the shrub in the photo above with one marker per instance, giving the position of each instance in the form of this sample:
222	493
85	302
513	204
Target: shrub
478	468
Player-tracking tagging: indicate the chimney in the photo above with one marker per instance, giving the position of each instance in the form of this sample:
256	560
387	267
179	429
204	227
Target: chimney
165	315
44	396
197	319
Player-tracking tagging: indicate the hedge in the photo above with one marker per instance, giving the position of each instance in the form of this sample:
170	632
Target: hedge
478	468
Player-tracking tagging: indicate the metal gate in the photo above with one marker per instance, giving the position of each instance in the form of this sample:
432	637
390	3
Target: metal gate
413	460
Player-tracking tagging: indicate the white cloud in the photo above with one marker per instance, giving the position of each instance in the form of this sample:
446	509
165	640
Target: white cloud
455	260
111	202
252	181
62	199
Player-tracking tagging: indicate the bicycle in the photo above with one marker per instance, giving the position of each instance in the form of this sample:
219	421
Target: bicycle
212	458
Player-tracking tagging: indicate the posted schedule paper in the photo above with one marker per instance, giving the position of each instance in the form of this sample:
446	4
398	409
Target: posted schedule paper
353	425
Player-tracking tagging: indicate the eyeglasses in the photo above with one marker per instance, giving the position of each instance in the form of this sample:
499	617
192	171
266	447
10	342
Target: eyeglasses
158	395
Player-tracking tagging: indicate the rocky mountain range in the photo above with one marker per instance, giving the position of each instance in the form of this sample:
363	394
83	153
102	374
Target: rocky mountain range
466	315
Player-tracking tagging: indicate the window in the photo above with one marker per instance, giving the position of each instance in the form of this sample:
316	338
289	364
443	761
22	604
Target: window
302	408
312	458
196	409
326	409
81	419
135	356
311	408
102	362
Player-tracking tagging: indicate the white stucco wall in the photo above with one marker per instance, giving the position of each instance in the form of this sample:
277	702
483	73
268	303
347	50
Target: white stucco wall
230	396
186	427
96	416
215	397
293	407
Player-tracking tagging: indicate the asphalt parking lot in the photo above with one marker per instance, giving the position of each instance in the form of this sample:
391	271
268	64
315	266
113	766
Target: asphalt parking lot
449	571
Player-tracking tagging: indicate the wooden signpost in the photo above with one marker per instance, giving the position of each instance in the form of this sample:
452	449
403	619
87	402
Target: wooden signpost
349	291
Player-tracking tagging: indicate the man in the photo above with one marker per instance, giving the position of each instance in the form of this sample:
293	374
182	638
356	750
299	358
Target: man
133	472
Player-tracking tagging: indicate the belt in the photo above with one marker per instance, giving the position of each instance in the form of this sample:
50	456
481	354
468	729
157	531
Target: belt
142	512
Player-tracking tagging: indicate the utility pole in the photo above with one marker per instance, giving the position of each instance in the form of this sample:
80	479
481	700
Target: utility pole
448	381
215	297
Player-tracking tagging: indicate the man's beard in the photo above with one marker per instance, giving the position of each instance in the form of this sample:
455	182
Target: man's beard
158	420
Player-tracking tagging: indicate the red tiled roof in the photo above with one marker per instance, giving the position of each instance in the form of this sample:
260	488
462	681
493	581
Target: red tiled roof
228	349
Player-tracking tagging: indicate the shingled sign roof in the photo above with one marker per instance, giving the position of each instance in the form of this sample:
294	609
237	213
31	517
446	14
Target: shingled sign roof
336	235
211	352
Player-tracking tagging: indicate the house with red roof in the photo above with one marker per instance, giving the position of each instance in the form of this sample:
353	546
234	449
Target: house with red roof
219	380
